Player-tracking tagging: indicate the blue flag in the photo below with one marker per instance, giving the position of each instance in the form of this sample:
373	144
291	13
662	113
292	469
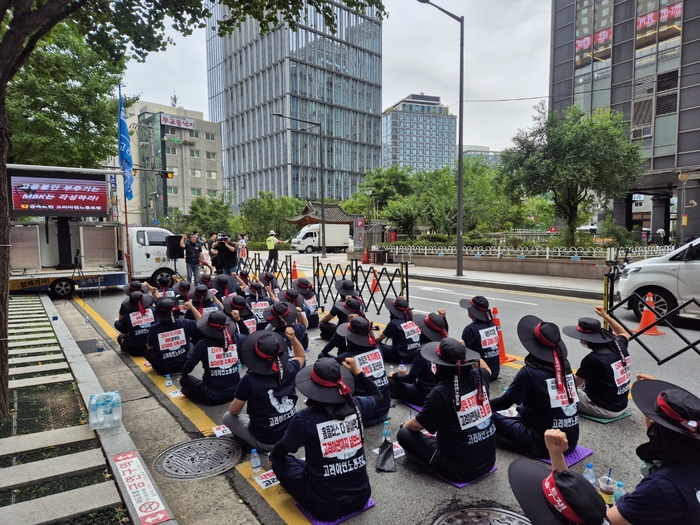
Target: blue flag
125	162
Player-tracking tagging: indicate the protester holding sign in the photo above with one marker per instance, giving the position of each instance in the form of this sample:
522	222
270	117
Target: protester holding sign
403	332
458	412
481	335
135	321
311	300
603	379
169	339
332	482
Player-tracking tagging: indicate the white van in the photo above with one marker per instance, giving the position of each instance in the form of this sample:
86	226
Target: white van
672	279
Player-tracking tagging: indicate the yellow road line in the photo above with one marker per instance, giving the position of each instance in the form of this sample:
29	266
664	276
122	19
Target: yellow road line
278	498
191	411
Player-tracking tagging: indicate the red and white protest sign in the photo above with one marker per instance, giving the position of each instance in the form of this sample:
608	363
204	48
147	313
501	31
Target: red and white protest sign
220	358
339	438
172	339
472	414
140	319
371	363
140	489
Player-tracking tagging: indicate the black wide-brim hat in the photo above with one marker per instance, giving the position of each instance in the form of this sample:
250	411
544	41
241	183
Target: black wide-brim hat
449	348
184	289
132	305
358	331
477	306
303	286
526	334
645	394
252	291
340	305
327	369
256	363
268	279
393	306
294	298
220	318
431	333
241	305
204	278
135	286
588	329
222	282
198	299
164	308
346	287
526	476
274	314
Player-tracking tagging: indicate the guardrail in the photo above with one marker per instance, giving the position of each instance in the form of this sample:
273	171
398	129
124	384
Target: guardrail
637	252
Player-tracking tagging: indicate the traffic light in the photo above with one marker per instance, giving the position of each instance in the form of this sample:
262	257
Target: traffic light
133	172
167	174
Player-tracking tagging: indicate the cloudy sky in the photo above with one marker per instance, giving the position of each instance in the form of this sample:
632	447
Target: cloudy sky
506	56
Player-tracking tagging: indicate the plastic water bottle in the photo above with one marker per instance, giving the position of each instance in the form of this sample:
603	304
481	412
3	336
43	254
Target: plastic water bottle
589	474
100	345
87	321
93	414
619	492
116	409
255	463
107	410
168	383
391	370
402	369
386	431
54	315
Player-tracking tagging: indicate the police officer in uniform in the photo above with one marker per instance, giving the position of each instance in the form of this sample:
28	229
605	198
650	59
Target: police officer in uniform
603	379
134	324
481	335
218	354
458	412
169	339
403	332
273	254
306	289
268	388
544	390
332	481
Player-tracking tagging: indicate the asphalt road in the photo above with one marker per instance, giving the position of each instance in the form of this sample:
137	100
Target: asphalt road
413	496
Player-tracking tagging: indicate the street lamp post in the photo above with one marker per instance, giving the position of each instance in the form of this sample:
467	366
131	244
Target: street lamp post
323	182
460	144
368	192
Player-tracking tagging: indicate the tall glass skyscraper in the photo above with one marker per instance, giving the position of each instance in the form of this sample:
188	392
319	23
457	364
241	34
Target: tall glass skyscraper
310	74
419	132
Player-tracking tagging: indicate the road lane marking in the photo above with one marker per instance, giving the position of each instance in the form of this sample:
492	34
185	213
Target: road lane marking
191	411
278	498
495	300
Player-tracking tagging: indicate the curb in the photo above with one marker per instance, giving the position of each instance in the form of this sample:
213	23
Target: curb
580	294
115	441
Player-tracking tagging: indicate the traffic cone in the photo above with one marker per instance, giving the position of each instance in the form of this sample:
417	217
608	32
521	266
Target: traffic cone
648	317
295	275
375	284
502	356
365	257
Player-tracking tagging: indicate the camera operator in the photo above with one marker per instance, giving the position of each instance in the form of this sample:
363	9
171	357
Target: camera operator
227	259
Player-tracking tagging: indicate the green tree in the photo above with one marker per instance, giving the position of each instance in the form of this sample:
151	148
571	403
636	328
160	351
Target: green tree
403	214
115	30
209	214
388	183
265	213
576	157
436	192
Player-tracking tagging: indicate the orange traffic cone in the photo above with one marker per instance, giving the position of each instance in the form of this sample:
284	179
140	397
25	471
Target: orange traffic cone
375	284
295	274
648	317
365	257
502	356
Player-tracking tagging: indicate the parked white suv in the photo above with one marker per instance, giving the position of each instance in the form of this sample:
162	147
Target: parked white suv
672	279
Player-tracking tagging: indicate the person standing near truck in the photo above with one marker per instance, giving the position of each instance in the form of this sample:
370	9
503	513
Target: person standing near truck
193	255
273	254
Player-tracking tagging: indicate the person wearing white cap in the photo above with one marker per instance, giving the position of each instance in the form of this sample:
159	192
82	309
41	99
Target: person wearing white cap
273	255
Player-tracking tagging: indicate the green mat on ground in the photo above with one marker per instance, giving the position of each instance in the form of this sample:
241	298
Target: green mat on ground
605	420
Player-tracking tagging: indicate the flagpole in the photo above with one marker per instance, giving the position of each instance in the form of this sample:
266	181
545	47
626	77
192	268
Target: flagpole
125	163
127	254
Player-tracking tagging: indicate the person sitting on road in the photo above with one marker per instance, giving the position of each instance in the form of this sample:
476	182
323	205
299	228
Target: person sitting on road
293	297
135	286
169	340
332	481
224	285
403	332
134	324
544	390
268	388
205	279
555	496
269	280
415	386
361	345
481	335
243	278
204	300
603	379
164	281
458	412
281	316
218	354
346	289
257	300
235	305
311	300
342	310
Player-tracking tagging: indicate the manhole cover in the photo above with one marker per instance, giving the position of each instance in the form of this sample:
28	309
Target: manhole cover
482	516
198	459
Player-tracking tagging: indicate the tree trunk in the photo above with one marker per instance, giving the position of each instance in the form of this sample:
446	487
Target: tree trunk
4	255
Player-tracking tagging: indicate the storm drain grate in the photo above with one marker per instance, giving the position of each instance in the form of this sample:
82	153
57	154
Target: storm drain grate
198	459
482	516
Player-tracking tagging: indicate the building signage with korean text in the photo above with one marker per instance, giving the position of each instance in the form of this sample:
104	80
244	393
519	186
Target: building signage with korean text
176	121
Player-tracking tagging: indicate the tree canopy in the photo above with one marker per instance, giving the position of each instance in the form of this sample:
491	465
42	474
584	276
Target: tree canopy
265	213
579	159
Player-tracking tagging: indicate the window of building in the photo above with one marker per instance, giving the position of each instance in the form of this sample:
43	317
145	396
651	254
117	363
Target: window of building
194	134
194	153
195	173
169	130
211	174
170	150
196	192
211	193
210	155
209	136
172	209
173	190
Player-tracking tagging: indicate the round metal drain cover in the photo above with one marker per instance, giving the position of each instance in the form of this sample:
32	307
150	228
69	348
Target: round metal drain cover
482	516
198	459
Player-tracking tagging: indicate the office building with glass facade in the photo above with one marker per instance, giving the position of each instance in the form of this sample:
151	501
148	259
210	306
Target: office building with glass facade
419	132
492	158
641	58
333	80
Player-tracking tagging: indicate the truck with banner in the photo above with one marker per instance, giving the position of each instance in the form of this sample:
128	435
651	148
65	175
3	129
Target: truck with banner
68	240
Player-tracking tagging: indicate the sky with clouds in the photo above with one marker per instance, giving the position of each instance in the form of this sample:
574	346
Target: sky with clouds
507	45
